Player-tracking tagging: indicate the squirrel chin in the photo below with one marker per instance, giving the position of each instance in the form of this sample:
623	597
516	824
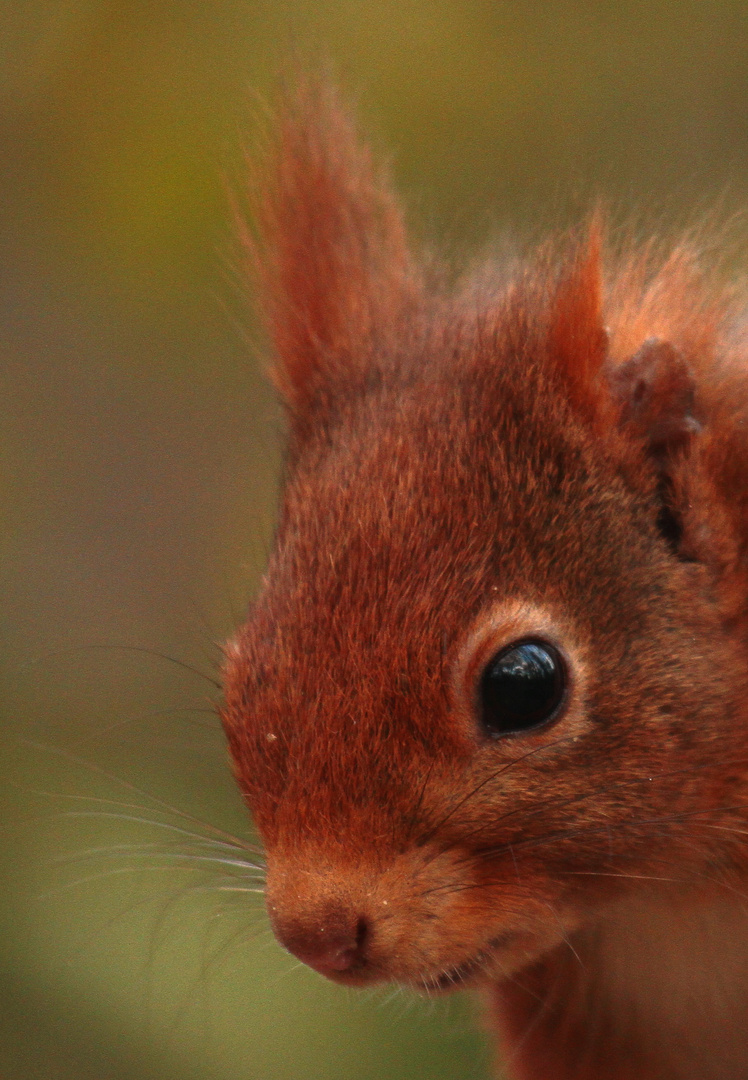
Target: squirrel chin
471	972
501	958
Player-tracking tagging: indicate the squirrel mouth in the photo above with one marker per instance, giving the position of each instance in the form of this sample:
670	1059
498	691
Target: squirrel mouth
460	975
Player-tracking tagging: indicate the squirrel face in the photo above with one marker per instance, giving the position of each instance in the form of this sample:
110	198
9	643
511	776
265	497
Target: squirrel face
491	682
425	531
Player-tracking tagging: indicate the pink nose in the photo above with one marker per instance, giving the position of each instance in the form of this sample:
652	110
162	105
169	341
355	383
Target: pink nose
330	943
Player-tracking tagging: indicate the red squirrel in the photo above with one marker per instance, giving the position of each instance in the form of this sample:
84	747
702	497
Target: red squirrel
490	707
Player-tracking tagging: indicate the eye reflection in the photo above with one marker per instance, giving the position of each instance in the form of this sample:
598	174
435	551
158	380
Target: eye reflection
521	688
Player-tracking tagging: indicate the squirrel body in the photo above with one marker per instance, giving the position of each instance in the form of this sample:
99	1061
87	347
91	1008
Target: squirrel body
490	707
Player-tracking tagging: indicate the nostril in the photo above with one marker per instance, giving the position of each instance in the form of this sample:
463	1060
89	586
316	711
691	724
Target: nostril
346	955
349	955
342	959
328	947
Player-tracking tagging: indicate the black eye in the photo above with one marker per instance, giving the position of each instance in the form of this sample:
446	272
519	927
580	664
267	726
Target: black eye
522	687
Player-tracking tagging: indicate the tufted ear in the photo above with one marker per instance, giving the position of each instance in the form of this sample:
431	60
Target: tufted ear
577	339
331	254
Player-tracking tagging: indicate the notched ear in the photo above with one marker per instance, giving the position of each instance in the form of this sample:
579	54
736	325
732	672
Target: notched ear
577	339
331	256
654	393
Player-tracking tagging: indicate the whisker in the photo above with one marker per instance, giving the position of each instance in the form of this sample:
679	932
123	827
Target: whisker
56	653
107	729
564	936
161	854
576	798
112	778
128	909
158	845
628	877
153	845
157	853
460	886
634	824
150	822
230	841
118	870
421	795
235	889
725	828
483	783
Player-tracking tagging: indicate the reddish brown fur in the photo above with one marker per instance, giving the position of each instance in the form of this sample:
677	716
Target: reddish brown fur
467	469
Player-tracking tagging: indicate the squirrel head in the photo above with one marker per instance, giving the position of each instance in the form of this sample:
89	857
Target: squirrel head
496	672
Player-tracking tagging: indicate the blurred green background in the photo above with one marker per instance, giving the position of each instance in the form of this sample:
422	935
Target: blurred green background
139	448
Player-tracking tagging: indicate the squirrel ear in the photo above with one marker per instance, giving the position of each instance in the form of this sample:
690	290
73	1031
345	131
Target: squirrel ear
654	394
331	255
577	339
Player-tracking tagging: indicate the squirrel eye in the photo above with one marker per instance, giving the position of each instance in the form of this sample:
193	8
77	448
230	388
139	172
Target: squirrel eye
522	687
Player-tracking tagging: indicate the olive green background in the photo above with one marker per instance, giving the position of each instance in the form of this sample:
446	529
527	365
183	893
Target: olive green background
139	449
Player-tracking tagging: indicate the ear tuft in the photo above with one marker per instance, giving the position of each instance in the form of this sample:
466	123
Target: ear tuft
666	298
577	339
331	256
